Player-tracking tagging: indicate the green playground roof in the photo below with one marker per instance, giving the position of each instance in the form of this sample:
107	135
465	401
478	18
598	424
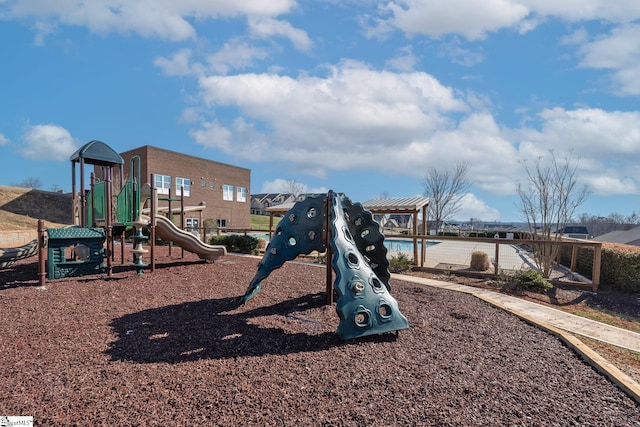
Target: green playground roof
97	153
76	233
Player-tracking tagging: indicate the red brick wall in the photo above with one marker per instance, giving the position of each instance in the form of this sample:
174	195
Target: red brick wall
159	161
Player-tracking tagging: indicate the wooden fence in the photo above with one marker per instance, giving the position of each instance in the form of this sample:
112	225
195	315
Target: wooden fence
453	254
447	253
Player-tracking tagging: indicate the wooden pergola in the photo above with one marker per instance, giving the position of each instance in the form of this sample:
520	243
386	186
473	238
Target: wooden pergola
411	205
408	205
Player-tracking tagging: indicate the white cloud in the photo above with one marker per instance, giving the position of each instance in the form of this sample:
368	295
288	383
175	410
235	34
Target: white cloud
349	119
474	20
601	141
235	54
610	184
191	115
43	30
584	10
375	28
4	140
459	54
366	95
213	135
405	60
470	18
576	37
164	19
179	64
472	207
618	51
529	24
240	139
47	142
280	185
357	118
266	27
480	143
589	132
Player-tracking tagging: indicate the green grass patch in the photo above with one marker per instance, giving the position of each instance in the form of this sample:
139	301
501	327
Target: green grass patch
261	222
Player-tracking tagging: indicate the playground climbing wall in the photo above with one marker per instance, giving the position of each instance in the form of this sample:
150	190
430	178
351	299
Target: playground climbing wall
365	305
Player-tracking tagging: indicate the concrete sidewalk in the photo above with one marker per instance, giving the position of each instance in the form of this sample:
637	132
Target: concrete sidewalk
543	314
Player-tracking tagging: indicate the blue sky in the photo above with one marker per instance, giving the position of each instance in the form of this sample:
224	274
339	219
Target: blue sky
358	96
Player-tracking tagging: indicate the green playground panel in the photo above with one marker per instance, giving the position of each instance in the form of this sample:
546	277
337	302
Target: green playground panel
62	241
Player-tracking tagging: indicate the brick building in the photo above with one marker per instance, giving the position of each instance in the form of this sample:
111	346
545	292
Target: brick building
222	189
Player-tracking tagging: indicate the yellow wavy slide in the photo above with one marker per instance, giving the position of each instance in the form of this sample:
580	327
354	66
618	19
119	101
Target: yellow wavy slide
167	230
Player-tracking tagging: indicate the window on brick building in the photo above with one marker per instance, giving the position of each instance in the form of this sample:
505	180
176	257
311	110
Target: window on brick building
183	183
241	194
227	192
162	183
192	224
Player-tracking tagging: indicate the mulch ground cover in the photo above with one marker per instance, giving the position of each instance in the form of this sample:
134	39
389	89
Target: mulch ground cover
172	347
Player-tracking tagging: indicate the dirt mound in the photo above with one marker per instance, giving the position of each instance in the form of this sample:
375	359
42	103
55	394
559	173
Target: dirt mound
20	208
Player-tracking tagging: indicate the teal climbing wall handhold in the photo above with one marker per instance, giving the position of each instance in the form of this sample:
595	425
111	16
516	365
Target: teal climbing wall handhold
299	232
364	231
365	305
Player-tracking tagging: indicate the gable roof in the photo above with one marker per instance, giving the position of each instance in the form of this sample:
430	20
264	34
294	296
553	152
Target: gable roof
262	197
575	229
284	207
627	237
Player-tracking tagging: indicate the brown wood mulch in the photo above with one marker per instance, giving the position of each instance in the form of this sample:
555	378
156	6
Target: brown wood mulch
607	305
170	347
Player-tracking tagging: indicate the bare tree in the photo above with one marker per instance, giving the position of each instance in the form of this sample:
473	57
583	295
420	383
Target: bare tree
445	189
31	182
633	218
293	187
599	225
548	200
